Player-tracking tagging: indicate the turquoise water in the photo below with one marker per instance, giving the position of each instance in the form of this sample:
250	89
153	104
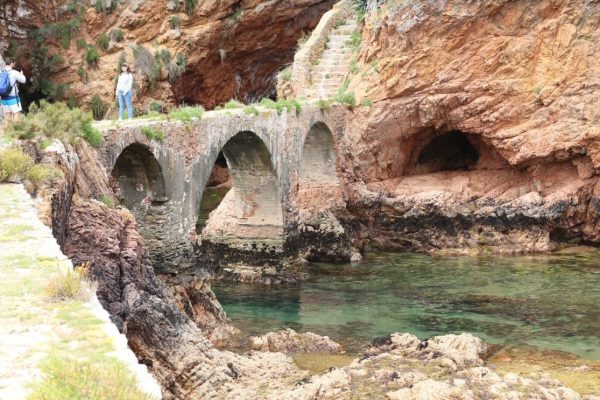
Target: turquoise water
547	302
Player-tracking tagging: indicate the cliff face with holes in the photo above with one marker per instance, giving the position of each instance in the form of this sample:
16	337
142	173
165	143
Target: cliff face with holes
229	49
485	127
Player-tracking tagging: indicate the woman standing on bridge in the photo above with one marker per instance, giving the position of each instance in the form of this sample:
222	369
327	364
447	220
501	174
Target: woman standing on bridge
124	85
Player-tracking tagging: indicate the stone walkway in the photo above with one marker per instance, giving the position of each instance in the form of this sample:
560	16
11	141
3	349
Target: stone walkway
31	326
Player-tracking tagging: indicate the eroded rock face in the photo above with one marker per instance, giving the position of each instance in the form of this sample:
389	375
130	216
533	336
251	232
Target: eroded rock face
484	131
233	49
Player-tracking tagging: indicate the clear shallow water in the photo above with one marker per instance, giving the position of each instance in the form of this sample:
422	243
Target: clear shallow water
547	302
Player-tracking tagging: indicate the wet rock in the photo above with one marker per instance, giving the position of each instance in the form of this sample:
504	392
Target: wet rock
290	341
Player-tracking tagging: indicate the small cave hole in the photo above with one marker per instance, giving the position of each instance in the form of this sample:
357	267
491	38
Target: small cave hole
448	152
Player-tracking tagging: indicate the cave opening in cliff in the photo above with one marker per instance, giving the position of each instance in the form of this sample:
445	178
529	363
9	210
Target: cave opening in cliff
218	184
139	176
254	198
448	152
318	162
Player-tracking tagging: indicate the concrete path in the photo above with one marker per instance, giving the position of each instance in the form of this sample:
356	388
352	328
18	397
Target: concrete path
32	326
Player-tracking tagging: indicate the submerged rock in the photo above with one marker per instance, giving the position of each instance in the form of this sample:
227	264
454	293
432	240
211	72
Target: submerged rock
290	341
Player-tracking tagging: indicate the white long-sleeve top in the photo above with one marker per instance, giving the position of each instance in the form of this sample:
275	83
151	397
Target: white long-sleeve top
124	83
14	77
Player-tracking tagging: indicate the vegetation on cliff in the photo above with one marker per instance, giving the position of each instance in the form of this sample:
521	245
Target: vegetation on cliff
56	121
16	165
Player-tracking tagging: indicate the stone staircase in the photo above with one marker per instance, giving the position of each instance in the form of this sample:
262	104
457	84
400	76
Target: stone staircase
328	74
322	62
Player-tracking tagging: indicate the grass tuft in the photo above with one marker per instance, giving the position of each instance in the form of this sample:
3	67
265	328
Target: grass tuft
232	105
108	201
69	284
153	134
324	104
251	110
66	378
186	114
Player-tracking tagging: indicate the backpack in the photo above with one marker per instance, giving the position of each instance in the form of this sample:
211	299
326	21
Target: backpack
5	86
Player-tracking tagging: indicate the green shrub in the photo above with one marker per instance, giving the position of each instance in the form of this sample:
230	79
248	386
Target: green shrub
175	22
157	107
346	98
71	7
266	102
72	102
42	173
366	102
286	74
44	65
324	104
232	104
354	41
81	44
251	110
293	104
148	64
63	34
108	201
186	114
100	7
55	120
280	105
177	67
153	134
13	48
360	6
82	74
155	73
92	135
14	164
150	115
165	56
92	57
103	41
116	35
190	6
353	66
98	107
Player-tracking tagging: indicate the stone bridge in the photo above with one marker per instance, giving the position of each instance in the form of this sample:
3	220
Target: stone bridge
271	158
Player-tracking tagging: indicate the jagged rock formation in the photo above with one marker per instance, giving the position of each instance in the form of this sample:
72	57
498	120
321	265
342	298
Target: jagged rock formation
232	49
484	130
19	17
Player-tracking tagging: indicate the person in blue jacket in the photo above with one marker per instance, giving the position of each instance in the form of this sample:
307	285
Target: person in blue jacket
11	103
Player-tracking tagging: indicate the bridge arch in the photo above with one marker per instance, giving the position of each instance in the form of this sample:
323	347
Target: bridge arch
139	176
319	159
254	202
